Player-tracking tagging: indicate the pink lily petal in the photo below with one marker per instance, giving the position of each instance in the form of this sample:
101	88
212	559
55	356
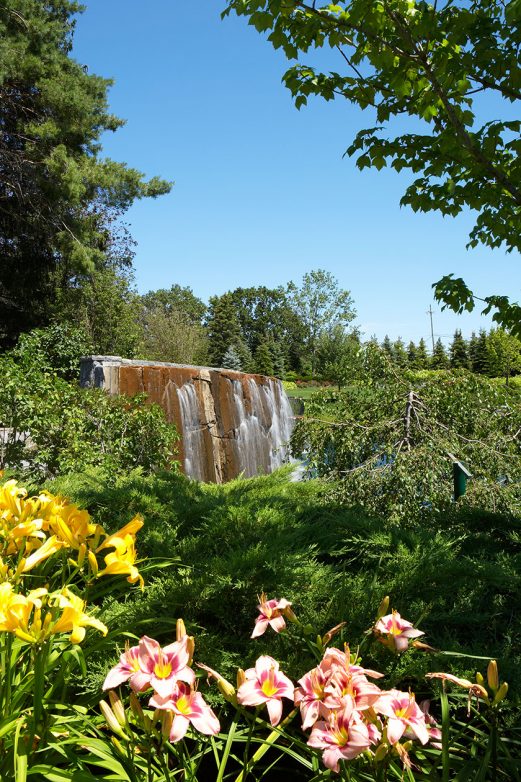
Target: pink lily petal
274	707
179	727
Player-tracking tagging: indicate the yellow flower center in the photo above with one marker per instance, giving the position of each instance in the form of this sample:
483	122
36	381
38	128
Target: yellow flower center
401	712
183	705
162	669
269	688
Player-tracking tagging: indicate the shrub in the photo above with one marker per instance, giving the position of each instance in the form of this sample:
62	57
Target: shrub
54	427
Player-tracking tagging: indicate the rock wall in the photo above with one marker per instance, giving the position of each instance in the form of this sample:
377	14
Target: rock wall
230	422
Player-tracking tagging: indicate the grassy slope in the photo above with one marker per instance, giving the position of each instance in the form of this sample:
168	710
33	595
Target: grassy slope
461	583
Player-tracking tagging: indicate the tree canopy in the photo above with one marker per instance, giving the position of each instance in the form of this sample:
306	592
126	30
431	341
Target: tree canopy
59	199
453	69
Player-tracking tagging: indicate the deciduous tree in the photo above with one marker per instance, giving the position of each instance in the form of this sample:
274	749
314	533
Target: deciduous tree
433	63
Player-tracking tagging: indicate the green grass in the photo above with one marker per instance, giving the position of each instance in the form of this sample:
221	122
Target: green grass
303	392
458	580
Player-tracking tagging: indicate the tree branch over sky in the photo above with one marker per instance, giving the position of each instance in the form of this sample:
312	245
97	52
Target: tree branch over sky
453	69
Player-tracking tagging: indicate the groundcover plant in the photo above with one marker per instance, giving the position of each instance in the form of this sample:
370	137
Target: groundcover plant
337	720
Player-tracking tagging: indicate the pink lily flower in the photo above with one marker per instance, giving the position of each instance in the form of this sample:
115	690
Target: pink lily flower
126	669
345	684
163	667
310	697
336	658
266	684
272	613
187	706
403	712
342	737
399	631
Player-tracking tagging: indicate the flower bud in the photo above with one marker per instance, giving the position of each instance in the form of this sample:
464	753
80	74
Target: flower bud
331	633
290	614
118	746
81	555
241	677
479	678
117	707
501	694
93	562
493	676
381	752
111	719
383	608
227	690
190	646
180	630
167	718
135	706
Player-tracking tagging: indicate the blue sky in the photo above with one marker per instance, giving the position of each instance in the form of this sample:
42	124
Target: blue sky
262	191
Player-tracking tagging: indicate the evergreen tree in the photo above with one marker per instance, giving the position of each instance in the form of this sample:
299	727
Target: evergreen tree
472	348
480	358
222	327
277	358
422	357
399	353
439	359
263	360
59	200
231	359
459	356
412	355
245	356
387	347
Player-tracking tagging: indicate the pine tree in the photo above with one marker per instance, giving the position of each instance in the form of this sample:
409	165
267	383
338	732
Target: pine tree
245	356
480	359
399	353
459	357
387	346
412	355
439	359
422	357
223	327
59	199
278	359
472	348
263	360
231	359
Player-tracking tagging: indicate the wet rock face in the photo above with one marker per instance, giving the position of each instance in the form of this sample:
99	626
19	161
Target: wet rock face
230	422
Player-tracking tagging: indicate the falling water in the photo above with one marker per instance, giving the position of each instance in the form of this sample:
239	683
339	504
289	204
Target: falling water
258	441
193	438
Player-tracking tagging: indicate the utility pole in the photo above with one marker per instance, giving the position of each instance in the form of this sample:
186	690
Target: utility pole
429	312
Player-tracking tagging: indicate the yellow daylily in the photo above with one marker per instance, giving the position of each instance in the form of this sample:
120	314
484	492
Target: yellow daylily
50	547
122	561
74	620
120	537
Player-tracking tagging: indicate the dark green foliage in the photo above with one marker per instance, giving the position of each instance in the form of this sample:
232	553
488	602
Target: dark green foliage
59	200
399	353
439	358
459	578
56	349
263	360
177	299
388	440
71	428
459	356
222	326
422	357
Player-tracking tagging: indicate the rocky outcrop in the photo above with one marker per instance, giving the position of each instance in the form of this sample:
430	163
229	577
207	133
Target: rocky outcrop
230	422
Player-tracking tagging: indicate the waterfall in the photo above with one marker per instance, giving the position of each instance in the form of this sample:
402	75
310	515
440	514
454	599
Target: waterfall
261	425
230	423
192	432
